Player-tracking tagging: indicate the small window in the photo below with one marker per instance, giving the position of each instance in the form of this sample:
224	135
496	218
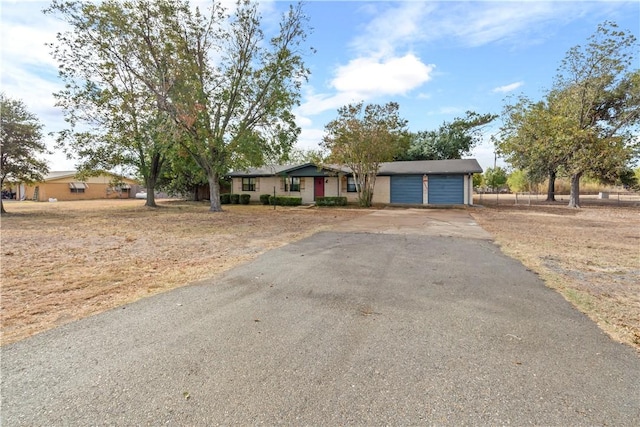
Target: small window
77	187
292	184
351	184
248	184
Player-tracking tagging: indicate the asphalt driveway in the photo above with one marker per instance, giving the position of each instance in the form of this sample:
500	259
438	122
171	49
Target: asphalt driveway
379	325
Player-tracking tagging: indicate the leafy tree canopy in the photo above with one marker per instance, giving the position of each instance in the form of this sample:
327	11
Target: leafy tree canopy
217	77
20	144
452	140
587	124
518	181
361	138
495	177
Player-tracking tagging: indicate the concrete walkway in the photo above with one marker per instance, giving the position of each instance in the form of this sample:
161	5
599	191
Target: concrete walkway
341	328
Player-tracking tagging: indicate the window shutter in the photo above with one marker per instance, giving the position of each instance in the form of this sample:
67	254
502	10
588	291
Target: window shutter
282	183
301	184
343	180
257	184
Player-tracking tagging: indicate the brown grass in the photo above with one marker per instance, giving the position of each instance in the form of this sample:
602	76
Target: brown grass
590	255
67	260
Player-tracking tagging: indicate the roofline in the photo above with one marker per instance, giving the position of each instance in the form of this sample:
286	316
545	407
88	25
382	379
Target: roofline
339	170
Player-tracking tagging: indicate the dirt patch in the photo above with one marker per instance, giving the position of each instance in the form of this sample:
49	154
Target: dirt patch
67	260
590	255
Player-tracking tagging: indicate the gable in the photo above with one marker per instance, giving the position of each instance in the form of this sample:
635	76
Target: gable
311	170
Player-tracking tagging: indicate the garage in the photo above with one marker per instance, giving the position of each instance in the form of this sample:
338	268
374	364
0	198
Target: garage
446	189
406	189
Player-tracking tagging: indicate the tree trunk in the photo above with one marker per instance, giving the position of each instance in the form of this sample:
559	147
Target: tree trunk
152	179
574	197
151	197
2	211
551	189
214	192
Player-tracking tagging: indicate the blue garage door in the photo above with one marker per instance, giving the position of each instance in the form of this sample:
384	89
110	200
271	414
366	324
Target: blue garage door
446	189
406	189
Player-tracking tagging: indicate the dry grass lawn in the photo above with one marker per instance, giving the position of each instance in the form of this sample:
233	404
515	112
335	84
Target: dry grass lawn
67	260
590	255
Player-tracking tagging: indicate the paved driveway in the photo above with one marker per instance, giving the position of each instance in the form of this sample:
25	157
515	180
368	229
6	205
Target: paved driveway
342	328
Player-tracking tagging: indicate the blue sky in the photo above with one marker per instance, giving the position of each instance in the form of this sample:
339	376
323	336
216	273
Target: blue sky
436	59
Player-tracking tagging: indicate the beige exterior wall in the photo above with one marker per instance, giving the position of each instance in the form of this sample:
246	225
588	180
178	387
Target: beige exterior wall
382	190
265	185
96	188
333	187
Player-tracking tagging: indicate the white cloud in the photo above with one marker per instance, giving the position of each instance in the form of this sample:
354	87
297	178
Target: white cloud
480	23
383	64
470	23
371	77
392	25
508	88
27	70
366	78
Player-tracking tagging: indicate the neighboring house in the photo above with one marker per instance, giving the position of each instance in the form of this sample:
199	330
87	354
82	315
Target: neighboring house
64	185
428	182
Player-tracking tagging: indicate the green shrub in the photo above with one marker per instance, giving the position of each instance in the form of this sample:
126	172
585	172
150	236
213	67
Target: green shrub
235	199
331	201
245	198
225	199
264	199
285	201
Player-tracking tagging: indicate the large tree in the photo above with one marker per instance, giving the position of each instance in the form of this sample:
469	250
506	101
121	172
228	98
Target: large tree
530	140
113	118
361	138
217	76
597	93
20	144
452	140
587	124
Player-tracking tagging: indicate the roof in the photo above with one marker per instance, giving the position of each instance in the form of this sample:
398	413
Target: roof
431	167
59	174
52	176
265	170
416	167
283	169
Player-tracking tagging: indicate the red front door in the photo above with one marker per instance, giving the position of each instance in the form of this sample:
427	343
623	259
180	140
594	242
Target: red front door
318	187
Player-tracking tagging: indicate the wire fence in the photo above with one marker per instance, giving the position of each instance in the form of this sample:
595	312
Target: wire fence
622	198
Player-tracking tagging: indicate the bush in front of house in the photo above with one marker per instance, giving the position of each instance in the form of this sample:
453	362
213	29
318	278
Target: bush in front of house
264	199
331	201
285	201
235	199
245	198
225	199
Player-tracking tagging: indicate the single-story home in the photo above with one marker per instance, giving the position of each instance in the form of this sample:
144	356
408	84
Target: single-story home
428	182
64	185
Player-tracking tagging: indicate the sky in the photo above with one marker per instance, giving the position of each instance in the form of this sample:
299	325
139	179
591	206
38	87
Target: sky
437	60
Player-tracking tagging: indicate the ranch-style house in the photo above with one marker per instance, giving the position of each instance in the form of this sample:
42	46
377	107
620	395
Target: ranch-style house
425	182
